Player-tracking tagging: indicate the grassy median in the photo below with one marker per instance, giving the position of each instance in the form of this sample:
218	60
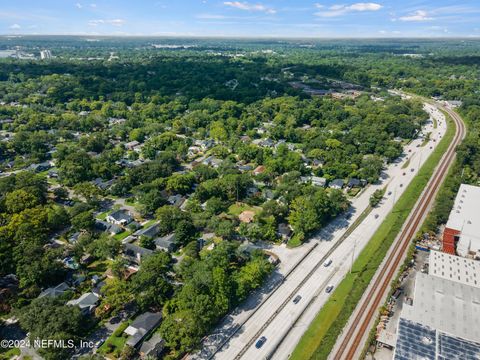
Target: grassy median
320	337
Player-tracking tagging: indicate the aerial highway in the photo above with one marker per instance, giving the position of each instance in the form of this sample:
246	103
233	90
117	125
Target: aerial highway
352	340
276	316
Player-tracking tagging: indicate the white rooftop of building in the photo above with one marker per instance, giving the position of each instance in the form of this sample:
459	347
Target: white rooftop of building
465	217
445	305
455	268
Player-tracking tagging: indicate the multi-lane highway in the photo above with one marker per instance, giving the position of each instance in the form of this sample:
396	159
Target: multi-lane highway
354	335
275	315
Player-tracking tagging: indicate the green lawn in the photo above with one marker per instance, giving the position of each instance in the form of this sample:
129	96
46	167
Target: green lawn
114	344
404	166
98	267
149	223
320	337
122	235
426	140
237	208
102	216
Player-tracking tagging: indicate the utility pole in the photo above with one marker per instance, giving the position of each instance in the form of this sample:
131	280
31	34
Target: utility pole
353	254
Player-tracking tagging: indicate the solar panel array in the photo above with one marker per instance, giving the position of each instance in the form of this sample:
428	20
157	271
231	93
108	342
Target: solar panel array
453	348
415	341
419	342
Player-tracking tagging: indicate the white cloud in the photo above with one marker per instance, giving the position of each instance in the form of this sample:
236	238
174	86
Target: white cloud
15	27
419	15
338	10
114	22
210	16
93	6
78	5
250	7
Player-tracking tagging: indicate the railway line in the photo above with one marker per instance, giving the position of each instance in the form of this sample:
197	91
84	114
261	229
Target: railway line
356	331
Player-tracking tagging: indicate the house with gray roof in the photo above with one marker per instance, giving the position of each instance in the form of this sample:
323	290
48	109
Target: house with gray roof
135	253
336	184
152	347
166	243
87	302
141	327
150	231
56	291
112	229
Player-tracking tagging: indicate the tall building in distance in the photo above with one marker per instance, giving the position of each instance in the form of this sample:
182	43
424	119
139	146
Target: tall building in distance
45	54
462	232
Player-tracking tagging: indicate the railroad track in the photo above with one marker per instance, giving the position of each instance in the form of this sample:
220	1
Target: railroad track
360	325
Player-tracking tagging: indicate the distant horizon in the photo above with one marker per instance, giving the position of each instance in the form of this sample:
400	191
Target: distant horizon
246	37
244	18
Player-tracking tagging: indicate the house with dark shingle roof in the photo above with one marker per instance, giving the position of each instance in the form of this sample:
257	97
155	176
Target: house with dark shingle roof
166	243
141	327
135	253
152	347
336	184
150	231
53	292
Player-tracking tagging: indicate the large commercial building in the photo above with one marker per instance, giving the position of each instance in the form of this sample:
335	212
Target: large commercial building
441	323
455	268
462	232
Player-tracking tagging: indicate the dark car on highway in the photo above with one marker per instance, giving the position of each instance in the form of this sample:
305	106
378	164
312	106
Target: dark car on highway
260	342
297	299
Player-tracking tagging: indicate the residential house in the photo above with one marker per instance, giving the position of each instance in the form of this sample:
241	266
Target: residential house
252	191
212	161
317	163
112	229
318	181
244	168
150	231
193	150
119	217
116	121
246	216
130	145
40	167
284	231
264	142
205	144
259	170
56	291
336	184
103	185
166	243
141	327
152	347
72	239
354	183
268	194
176	200
135	253
87	302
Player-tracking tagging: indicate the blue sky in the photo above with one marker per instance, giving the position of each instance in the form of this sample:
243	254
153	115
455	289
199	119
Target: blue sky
269	18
